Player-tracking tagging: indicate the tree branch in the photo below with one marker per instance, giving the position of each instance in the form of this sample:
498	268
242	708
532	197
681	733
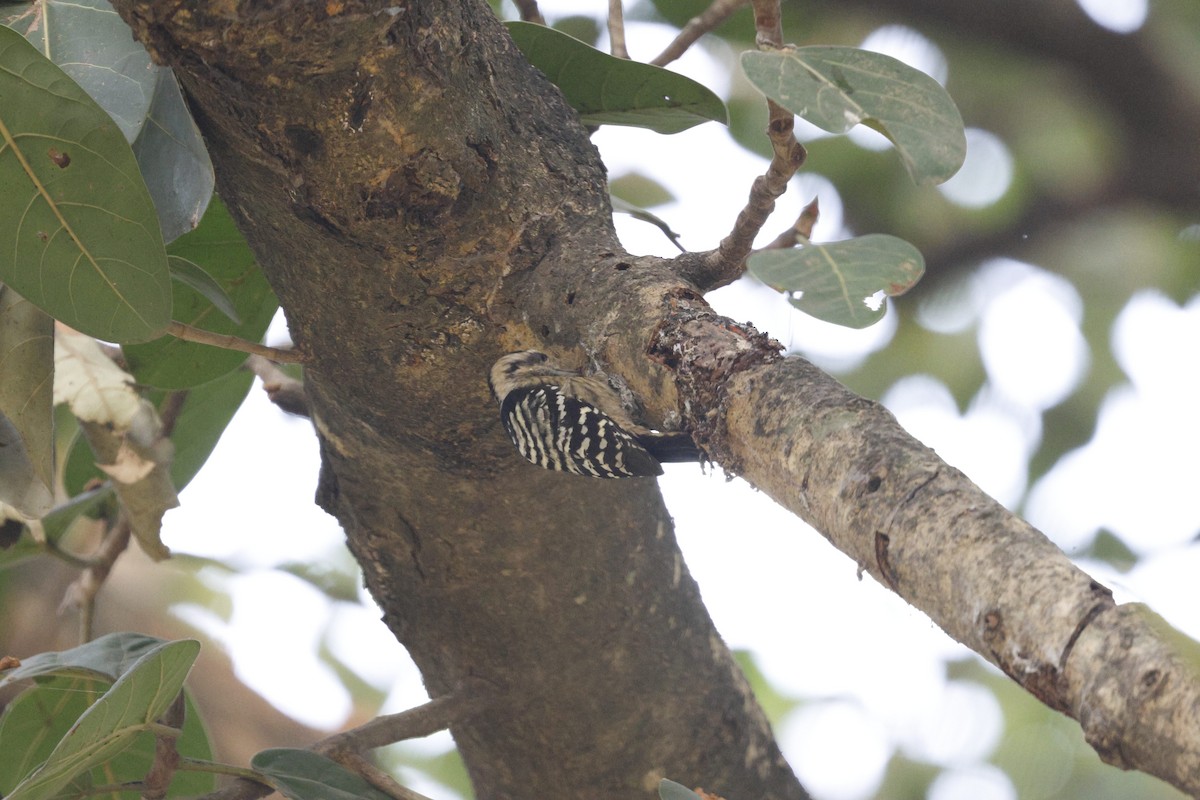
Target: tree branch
191	333
282	389
715	268
921	528
81	594
616	29
528	9
800	230
697	26
166	755
436	715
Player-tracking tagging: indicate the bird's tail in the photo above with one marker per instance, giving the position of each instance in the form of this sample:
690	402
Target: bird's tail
673	448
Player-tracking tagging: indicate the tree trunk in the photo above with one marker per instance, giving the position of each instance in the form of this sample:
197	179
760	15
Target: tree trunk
423	201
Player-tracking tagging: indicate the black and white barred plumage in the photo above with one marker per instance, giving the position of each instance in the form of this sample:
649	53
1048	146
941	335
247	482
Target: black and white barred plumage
564	421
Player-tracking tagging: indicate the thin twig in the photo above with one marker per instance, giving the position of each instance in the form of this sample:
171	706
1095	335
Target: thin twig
438	714
377	777
768	24
616	29
528	9
200	765
282	389
802	229
240	789
696	27
190	333
166	755
714	268
81	594
347	747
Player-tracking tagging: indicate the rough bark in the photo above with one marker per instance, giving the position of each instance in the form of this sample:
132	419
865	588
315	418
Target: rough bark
422	201
399	176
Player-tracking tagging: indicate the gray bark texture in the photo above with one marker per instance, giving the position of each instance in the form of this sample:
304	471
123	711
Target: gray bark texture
422	201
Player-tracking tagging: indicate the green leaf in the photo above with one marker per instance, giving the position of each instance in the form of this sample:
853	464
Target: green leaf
837	278
670	790
640	190
835	88
192	275
221	251
26	405
56	524
205	415
173	159
80	465
109	726
89	504
304	775
615	91
38	719
108	657
81	233
94	47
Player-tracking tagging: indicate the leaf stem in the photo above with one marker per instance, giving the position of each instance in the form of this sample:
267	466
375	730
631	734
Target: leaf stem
200	765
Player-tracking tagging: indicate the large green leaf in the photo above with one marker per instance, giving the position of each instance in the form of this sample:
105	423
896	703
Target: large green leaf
615	91
41	716
220	250
94	46
82	239
26	407
108	657
304	775
835	88
193	276
173	159
837	278
111	724
36	721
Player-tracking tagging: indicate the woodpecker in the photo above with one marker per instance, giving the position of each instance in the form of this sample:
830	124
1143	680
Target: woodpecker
562	420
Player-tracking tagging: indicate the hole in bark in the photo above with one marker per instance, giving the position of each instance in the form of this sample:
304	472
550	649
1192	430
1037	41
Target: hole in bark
305	140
